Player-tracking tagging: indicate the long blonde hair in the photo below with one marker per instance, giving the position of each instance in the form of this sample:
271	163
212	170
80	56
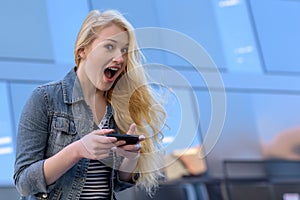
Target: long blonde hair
131	96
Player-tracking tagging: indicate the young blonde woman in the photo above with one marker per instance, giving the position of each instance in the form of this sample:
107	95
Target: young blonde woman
62	148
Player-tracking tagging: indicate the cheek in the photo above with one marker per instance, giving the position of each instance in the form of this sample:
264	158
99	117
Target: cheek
93	75
94	70
96	62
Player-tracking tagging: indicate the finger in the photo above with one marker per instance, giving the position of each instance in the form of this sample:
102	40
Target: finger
137	147
103	131
141	138
127	154
101	140
132	147
131	129
120	143
107	140
129	147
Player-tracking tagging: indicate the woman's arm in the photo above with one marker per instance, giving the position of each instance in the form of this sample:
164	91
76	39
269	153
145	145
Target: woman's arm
126	168
33	173
60	163
131	154
30	148
92	146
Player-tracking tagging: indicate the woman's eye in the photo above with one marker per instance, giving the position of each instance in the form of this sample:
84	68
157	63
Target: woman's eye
109	47
124	50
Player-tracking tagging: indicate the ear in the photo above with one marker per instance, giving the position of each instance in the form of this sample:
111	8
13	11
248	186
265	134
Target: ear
81	53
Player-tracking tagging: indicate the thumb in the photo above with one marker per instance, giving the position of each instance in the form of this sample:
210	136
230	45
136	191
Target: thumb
131	129
103	131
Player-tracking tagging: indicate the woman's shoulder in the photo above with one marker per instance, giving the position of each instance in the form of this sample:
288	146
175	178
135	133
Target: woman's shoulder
52	84
49	87
58	84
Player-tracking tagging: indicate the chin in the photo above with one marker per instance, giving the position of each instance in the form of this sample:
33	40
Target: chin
105	87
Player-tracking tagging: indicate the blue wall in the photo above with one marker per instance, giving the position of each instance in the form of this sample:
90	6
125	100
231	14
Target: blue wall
253	43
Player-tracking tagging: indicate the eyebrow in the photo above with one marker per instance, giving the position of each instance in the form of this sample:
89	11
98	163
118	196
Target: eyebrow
115	41
112	40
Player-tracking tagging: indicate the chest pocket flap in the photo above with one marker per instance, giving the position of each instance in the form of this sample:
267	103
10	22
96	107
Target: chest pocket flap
63	131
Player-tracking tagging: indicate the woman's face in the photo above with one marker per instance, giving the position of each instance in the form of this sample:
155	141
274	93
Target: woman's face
106	57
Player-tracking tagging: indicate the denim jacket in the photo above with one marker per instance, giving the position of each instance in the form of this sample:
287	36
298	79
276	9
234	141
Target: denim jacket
54	116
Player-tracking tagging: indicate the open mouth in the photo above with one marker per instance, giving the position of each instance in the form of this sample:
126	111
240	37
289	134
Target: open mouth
110	72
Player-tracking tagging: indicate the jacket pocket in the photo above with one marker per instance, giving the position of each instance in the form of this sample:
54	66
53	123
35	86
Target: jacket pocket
62	133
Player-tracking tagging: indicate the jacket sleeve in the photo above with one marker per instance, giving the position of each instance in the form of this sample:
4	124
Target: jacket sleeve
31	144
122	185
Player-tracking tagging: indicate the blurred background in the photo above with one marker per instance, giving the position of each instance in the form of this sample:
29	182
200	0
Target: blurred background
255	46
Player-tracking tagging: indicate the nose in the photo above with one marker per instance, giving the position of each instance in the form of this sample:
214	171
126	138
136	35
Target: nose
118	58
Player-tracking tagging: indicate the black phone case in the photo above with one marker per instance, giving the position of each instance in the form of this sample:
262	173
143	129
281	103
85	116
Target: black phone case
130	139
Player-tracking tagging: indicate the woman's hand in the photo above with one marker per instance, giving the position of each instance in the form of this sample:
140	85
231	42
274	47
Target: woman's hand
97	146
131	152
94	145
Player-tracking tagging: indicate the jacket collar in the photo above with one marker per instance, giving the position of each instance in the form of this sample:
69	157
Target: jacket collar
71	88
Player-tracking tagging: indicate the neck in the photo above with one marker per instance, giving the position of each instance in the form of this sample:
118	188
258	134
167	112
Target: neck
90	92
94	98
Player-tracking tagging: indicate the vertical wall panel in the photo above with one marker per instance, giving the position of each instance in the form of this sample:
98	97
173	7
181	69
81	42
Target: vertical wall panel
195	20
25	32
139	13
6	138
236	36
278	32
65	19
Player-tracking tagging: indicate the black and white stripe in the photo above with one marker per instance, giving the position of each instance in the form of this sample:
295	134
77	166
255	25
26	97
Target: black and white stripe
97	185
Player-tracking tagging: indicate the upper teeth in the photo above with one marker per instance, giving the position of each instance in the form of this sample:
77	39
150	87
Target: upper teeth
113	68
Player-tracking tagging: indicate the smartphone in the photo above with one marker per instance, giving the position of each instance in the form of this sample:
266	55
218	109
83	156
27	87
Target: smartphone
130	139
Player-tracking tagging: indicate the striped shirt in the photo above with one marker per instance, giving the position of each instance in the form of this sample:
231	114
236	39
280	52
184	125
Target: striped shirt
97	185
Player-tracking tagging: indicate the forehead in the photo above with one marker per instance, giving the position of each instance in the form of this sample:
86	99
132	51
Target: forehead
113	32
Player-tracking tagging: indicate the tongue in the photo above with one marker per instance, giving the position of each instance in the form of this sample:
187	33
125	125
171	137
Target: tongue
109	73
